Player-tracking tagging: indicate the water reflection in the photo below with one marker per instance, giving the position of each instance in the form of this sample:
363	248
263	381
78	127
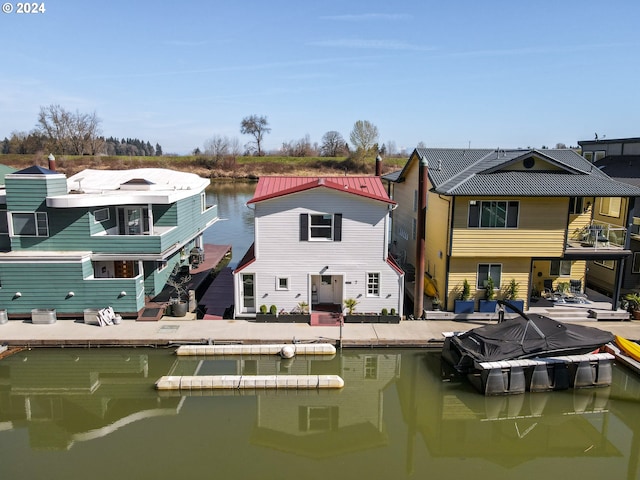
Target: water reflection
395	417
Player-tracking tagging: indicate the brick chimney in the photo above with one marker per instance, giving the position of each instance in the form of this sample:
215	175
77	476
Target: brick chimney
378	165
52	162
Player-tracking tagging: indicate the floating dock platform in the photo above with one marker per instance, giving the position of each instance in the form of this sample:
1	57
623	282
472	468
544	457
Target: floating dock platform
272	349
256	382
543	374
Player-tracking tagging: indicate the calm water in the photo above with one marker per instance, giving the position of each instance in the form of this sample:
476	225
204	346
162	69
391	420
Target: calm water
94	414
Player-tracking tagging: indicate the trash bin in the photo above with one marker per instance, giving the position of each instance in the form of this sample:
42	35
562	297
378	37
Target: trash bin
4	318
91	316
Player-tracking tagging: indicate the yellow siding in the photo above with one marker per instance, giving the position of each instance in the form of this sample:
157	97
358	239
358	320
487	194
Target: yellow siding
578	223
466	268
436	240
541	272
541	231
619	221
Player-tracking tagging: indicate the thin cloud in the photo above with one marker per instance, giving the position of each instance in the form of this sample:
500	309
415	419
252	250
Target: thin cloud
184	43
370	44
366	17
534	50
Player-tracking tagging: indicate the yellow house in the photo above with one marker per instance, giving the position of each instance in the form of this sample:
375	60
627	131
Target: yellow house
515	216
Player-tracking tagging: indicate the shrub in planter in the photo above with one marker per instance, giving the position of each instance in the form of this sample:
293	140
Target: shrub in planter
489	303
463	304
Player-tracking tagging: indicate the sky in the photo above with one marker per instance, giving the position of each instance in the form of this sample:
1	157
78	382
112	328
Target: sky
452	74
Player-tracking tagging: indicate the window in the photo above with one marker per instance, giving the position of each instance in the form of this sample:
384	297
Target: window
560	268
576	205
35	224
588	156
4	225
319	227
133	221
101	215
282	283
486	270
610	206
373	284
599	155
635	266
415	200
610	264
493	214
317	419
371	367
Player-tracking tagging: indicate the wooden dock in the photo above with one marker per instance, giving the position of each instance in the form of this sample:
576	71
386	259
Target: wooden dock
216	302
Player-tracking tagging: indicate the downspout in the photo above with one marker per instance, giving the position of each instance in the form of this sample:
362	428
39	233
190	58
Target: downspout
418	305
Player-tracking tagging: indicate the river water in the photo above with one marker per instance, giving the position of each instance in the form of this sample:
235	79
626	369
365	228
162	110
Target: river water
95	414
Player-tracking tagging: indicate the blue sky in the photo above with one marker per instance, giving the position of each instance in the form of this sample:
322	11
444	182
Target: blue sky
447	73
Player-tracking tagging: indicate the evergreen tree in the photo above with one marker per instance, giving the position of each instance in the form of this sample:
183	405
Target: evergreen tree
158	150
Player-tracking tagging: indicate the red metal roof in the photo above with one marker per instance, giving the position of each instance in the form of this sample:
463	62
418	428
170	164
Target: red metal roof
272	187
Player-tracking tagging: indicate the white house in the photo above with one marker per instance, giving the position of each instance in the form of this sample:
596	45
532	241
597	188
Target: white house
319	240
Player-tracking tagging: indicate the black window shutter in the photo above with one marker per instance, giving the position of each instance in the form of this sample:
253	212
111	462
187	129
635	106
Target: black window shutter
337	227
304	227
474	215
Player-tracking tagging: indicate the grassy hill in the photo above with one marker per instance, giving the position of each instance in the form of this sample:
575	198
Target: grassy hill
231	168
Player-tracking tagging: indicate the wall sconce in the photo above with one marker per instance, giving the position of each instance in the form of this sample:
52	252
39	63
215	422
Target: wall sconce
17	295
70	294
122	294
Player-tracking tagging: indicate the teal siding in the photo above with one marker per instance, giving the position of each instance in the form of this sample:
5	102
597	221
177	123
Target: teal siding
29	194
46	285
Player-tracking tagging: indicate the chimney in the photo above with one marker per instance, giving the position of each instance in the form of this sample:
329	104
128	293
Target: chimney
378	165
418	304
52	162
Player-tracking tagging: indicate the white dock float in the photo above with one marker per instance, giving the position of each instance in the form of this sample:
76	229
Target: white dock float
211	382
544	374
271	349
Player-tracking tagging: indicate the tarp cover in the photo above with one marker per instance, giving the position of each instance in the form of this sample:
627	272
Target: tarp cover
522	338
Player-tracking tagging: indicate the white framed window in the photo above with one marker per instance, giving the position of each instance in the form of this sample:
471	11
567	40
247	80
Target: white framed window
610	264
560	268
317	419
133	221
635	265
282	283
316	227
588	156
610	206
486	270
30	224
576	205
599	155
493	214
101	215
373	284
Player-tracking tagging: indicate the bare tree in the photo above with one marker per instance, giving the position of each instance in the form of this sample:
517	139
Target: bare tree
217	146
332	144
67	132
364	135
257	126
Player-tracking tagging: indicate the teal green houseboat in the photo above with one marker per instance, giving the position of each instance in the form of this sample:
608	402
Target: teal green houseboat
99	238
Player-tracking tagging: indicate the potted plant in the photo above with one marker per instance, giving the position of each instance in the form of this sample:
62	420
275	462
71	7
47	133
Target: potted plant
387	316
511	295
633	300
489	303
462	304
180	283
350	306
300	314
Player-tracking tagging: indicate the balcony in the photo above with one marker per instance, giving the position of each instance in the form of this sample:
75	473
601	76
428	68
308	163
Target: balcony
597	239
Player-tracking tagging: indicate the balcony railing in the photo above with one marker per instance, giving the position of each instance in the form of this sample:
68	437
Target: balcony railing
599	235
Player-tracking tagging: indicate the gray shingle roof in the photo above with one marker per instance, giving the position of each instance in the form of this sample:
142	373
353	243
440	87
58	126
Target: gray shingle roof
484	172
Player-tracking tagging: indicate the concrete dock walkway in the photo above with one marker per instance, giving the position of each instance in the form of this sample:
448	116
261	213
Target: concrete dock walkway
173	331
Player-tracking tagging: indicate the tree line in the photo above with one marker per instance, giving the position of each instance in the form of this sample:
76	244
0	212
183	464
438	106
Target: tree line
73	133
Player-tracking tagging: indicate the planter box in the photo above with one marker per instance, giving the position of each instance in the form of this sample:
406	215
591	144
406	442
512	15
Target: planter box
464	306
179	309
389	319
91	316
362	318
487	306
43	316
266	317
295	318
516	303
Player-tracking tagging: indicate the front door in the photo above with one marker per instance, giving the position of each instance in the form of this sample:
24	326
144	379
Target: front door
248	293
325	289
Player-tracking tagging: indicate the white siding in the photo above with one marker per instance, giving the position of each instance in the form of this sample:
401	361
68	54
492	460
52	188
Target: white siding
280	253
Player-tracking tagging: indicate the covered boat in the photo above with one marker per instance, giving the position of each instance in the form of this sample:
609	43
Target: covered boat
523	337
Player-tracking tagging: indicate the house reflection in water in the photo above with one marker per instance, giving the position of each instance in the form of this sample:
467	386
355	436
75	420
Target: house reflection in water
454	421
317	423
71	395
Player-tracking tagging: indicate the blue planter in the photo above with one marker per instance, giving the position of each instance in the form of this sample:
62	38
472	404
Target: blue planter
487	306
463	306
516	303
